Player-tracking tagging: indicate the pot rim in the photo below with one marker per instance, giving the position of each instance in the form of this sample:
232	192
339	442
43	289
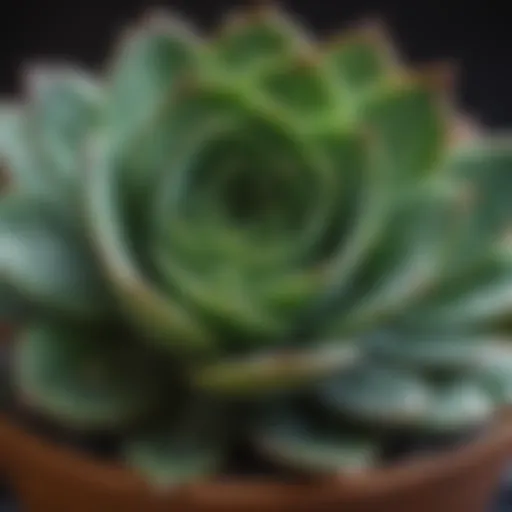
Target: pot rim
19	448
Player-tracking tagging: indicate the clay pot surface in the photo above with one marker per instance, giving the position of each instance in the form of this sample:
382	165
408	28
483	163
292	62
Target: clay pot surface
50	478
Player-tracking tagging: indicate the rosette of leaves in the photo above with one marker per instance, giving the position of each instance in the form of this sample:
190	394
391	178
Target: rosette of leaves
256	237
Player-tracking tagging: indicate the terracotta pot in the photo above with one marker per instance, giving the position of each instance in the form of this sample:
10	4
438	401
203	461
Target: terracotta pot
49	478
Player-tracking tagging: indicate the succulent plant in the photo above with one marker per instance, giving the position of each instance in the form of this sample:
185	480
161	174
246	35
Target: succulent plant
253	239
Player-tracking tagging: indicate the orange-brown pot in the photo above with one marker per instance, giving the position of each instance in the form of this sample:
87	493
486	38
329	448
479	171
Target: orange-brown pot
50	478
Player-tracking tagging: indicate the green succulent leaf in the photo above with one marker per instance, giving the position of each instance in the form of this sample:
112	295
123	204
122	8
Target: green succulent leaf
274	372
409	127
459	406
405	263
496	373
19	168
168	461
468	300
145	306
13	308
483	173
191	446
82	378
46	262
150	63
377	394
64	104
291	440
360	61
443	352
250	40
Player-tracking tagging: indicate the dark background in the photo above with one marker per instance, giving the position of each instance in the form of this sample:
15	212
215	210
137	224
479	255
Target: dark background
476	34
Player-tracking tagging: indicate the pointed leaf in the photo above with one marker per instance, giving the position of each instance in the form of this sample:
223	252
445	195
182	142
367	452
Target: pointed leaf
190	447
63	106
167	461
45	262
83	378
429	352
459	406
12	307
496	373
405	263
274	371
409	127
483	171
302	88
378	395
19	167
150	62
479	298
360	61
251	38
293	441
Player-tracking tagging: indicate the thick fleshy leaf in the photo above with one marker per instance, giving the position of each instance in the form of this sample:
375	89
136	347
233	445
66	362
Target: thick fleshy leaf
44	260
294	441
458	406
12	307
377	394
405	264
250	39
275	371
83	378
168	461
302	88
190	447
429	352
406	140
496	373
150	62
478	299
19	168
483	171
409	127
145	306
360	61
64	104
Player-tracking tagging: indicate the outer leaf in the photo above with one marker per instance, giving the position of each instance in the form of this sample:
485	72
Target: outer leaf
168	461
149	64
459	406
12	307
82	378
295	442
45	262
19	167
302	88
274	371
409	127
190	447
429	352
250	39
405	264
483	171
63	107
478	299
496	373
379	395
360	61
